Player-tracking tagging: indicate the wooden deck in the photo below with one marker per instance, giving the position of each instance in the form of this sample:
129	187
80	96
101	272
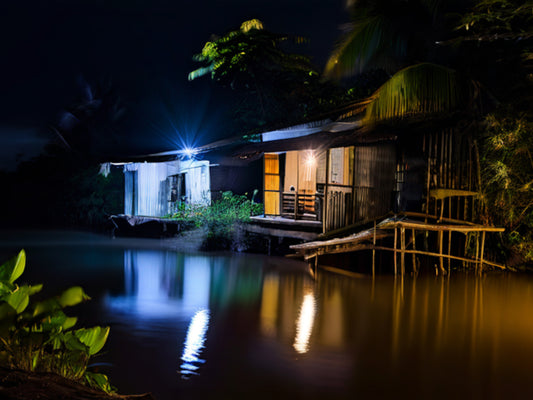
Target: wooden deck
285	227
403	230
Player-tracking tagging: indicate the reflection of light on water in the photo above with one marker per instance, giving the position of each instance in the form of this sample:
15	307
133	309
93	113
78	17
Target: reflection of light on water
304	325
194	343
269	305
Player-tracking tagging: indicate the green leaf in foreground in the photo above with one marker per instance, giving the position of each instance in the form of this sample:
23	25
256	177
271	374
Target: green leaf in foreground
13	268
94	338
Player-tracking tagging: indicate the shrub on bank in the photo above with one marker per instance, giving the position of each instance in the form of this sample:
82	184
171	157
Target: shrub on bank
221	219
507	165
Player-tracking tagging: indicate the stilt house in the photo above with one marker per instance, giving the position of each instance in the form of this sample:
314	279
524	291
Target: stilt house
335	174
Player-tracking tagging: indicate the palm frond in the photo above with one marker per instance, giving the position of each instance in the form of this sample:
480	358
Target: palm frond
355	51
419	89
200	72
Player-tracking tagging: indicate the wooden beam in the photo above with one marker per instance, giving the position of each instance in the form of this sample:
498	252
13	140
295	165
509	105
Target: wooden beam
438	228
428	253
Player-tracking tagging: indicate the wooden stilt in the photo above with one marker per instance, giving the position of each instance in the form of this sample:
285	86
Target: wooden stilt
477	250
402	254
482	251
325	210
441	261
449	249
395	251
428	179
415	269
374	251
366	240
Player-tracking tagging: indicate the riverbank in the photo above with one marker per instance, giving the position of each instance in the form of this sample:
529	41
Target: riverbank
23	385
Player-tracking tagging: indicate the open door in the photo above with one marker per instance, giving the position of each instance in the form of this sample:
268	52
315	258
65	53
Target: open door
271	184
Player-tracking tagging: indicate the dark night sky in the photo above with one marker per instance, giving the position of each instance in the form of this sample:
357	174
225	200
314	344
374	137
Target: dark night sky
144	47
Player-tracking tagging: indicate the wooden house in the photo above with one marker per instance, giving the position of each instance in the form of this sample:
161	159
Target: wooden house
325	172
349	174
344	172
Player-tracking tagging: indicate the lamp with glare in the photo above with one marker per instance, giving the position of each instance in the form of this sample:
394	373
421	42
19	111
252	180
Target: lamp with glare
189	152
310	159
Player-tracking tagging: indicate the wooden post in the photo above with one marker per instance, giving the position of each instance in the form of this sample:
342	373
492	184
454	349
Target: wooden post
395	246
295	205
440	251
402	254
449	250
354	213
326	188
482	251
414	248
428	181
477	250
374	252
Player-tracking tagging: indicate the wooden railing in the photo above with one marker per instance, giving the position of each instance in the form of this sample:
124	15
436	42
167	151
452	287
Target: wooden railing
303	206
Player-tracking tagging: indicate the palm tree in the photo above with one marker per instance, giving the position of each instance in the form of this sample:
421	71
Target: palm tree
88	125
401	37
388	34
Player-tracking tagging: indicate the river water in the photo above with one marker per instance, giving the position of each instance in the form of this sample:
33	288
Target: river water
241	326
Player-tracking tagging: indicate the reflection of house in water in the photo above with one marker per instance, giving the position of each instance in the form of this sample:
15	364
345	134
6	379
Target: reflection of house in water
166	284
235	281
162	284
183	287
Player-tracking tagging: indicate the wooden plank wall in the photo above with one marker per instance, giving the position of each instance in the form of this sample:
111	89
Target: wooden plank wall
452	164
370	193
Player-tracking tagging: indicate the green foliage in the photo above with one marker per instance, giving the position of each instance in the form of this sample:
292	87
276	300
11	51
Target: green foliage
242	56
419	89
38	335
269	83
507	165
222	217
489	19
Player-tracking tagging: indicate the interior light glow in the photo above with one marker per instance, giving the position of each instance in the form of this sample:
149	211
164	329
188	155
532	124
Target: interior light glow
194	343
310	159
304	325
